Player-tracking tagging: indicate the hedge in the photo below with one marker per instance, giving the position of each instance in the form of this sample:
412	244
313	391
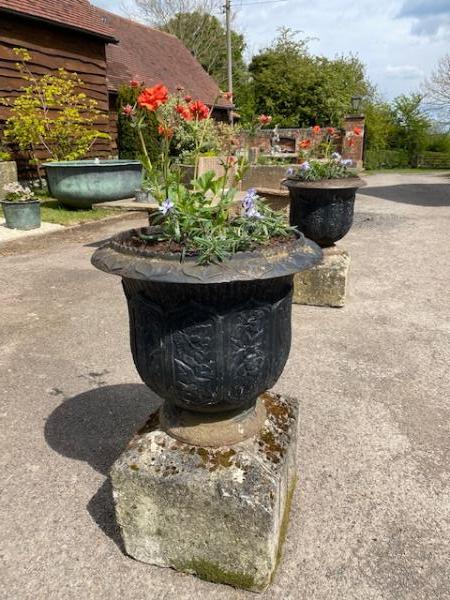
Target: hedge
385	159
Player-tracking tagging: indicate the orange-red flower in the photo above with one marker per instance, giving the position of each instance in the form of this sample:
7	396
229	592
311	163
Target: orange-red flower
134	83
305	144
330	130
231	160
350	142
264	119
152	98
165	131
184	112
316	129
357	130
188	98
199	109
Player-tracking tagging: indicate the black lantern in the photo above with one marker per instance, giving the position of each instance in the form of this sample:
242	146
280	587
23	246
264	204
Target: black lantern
356	103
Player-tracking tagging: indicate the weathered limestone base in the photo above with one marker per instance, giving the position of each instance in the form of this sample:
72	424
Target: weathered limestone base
325	284
8	174
219	513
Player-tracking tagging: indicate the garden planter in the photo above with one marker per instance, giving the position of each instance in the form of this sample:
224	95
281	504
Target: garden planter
82	183
22	215
323	210
209	339
143	196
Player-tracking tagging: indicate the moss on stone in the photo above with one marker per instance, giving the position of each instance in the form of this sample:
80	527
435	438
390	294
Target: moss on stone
284	523
214	573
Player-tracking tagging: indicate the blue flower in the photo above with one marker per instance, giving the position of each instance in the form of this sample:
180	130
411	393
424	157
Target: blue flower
166	207
305	166
249	199
253	213
336	156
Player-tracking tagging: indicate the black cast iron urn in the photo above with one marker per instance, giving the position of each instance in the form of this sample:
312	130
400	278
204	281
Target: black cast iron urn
208	339
323	210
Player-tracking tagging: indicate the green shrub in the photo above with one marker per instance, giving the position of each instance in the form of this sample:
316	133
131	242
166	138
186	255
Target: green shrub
438	142
386	159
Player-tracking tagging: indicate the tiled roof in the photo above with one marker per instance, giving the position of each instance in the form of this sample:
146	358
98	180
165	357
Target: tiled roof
75	14
152	56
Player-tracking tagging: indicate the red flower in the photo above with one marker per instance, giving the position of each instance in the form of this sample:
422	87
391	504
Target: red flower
184	112
357	130
330	130
316	129
188	99
264	119
134	83
305	144
152	98
228	95
199	110
350	142
127	110
231	160
165	131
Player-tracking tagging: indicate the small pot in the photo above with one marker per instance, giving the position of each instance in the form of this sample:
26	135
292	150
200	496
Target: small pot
323	210
22	215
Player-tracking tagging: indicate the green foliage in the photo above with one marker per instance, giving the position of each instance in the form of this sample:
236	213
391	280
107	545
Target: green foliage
199	220
379	125
385	159
412	126
205	36
52	113
17	193
438	142
298	89
128	141
318	170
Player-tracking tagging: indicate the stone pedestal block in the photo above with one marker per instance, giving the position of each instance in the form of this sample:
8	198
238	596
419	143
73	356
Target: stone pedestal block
218	513
8	174
324	284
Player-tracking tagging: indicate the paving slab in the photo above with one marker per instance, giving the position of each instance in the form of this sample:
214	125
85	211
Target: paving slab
8	235
370	516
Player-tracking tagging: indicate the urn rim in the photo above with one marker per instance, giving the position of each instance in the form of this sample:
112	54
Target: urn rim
349	183
265	262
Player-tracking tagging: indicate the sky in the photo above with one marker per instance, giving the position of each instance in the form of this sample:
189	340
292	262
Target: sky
400	41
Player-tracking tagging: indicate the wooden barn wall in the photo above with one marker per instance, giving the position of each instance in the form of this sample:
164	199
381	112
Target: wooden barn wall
50	48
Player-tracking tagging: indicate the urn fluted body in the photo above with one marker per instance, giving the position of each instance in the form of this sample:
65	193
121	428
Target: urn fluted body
323	210
211	338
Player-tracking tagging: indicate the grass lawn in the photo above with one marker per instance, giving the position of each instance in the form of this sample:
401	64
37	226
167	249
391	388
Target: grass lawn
53	212
409	171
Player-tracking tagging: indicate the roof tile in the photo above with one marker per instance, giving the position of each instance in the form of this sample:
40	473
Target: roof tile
75	14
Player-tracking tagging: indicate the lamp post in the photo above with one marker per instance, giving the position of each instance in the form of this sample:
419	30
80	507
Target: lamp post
356	104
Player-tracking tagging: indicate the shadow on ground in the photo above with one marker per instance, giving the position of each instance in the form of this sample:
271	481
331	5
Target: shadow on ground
95	427
419	194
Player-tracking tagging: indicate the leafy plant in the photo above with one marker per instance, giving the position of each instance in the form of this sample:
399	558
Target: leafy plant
198	217
51	113
318	160
17	193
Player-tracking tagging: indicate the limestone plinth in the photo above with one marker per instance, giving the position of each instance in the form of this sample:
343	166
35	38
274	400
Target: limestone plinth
219	513
325	284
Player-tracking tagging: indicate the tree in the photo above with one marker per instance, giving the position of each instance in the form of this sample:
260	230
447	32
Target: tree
412	125
193	22
299	89
380	125
52	114
438	86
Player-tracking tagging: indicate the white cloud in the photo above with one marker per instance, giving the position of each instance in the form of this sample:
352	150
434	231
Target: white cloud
404	72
